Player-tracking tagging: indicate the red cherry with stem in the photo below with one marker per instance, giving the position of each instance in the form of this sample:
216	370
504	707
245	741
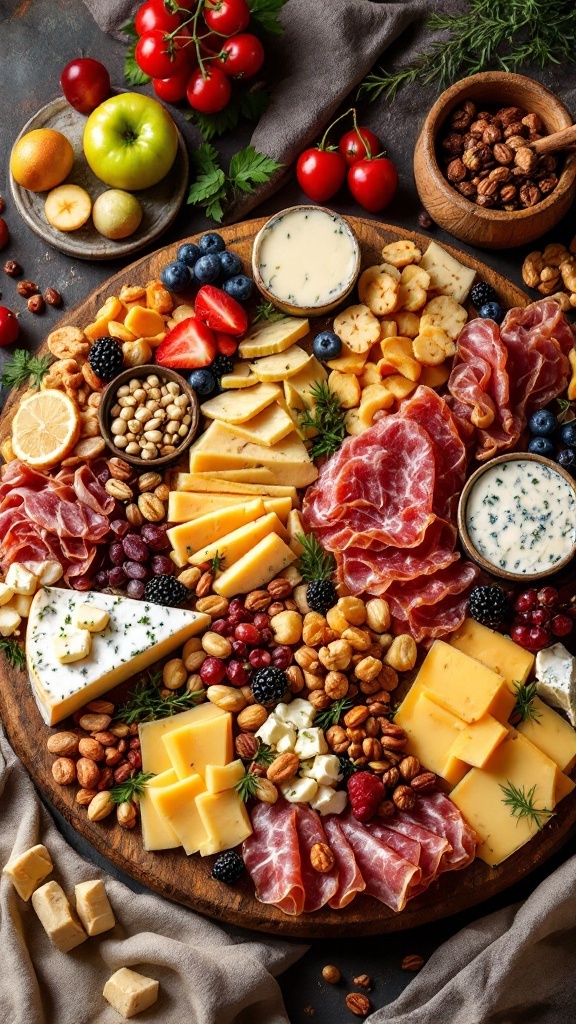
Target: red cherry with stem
561	625
172	89
373	182
212	671
358	143
548	596
526	602
320	172
237	673
521	635
247	632
259	658
539	616
539	638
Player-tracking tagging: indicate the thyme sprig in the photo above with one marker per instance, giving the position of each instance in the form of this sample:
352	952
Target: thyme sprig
524	705
266	311
134	786
145	704
333	714
314	563
521	804
327	417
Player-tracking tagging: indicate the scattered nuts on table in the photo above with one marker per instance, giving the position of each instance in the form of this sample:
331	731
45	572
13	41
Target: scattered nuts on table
36	304
358	1004
363	981
331	974
148	416
413	962
12	268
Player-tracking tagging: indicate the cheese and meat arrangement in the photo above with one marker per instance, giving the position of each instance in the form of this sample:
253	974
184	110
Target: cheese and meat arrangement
286	591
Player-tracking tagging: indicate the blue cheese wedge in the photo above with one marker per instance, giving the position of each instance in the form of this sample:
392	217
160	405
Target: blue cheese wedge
556	679
137	635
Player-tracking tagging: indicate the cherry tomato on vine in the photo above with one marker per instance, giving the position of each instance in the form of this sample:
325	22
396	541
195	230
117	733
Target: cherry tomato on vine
172	89
320	173
228	17
373	183
210	44
153	14
4	233
353	145
8	326
242	56
158	56
208	92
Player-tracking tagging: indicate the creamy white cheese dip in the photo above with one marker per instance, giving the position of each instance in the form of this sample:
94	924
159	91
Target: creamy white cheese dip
521	516
307	257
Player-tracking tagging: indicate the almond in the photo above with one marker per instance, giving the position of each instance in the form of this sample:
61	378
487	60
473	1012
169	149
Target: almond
283	768
65	744
252	717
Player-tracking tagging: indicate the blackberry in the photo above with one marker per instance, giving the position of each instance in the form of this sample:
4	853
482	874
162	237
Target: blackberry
228	867
482	293
268	685
321	595
220	366
165	590
489	606
106	358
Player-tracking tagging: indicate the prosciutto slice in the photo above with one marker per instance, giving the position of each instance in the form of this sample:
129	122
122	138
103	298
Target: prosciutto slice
389	877
350	880
434	606
431	846
440	816
319	888
272	857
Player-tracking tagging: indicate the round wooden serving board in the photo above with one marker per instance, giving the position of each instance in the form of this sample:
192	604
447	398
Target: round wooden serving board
187	880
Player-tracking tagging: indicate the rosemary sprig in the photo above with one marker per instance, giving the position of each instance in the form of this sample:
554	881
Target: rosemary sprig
264	755
247	786
134	786
566	412
266	311
217	562
521	804
490	33
145	704
24	369
327	417
524	705
333	714
347	767
314	563
14	652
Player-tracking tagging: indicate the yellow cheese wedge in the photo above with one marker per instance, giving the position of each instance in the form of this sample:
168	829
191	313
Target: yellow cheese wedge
281	366
480	798
197	744
494	650
463	685
294	405
432	732
154	755
447	275
237	407
234	545
246	476
268	427
552	734
212	484
186	505
157	832
190	537
478	740
348	361
255	569
241	377
221	448
302	382
225	819
281	506
221	777
266	338
176	804
564	787
295	529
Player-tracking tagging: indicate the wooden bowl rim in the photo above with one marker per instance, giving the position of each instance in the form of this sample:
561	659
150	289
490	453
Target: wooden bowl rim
431	127
465	540
106	404
289	307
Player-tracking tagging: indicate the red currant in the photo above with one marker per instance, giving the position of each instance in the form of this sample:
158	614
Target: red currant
561	625
539	616
261	620
235	605
259	658
212	671
539	638
282	656
237	673
520	634
220	626
240	649
524	617
247	632
548	596
526	602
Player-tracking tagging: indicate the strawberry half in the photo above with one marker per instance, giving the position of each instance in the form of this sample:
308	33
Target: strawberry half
188	346
226	345
220	311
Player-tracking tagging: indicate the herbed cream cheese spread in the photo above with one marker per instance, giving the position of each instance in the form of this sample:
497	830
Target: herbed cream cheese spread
307	257
521	516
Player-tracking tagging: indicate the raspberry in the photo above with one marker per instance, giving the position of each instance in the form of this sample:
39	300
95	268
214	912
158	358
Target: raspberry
366	792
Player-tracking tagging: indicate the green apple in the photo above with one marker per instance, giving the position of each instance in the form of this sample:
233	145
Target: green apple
130	141
116	214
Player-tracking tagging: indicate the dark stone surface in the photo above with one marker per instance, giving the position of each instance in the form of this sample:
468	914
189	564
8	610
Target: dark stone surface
37	38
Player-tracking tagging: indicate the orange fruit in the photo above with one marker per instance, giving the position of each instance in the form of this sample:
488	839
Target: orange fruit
41	159
45	429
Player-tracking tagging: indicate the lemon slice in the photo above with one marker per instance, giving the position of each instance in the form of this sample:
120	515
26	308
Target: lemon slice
45	429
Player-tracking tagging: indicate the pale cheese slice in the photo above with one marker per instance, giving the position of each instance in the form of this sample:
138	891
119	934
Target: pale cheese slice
221	448
303	381
447	275
231	548
137	635
176	804
157	833
186	505
241	377
247	476
256	568
266	339
213	484
155	757
281	366
187	538
225	819
237	407
268	427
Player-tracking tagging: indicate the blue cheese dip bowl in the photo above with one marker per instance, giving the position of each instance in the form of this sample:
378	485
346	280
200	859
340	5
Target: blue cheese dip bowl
517	517
305	260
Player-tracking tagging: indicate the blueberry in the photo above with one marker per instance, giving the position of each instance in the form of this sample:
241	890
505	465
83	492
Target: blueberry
203	381
176	276
491	311
207	269
327	345
542	446
239	287
568	435
211	242
188	253
230	263
567	458
543	423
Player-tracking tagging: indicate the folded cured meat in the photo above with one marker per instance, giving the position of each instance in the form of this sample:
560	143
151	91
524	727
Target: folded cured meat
388	875
272	857
350	880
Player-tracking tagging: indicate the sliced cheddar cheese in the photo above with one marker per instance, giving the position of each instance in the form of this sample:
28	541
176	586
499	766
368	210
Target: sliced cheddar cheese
176	805
157	833
213	484
237	407
234	545
202	742
551	733
186	505
256	568
268	427
220	447
225	819
154	755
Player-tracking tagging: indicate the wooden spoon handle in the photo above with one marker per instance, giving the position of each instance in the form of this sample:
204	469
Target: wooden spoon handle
559	140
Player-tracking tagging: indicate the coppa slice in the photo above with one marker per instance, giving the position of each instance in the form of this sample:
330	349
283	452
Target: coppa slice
237	407
137	635
189	345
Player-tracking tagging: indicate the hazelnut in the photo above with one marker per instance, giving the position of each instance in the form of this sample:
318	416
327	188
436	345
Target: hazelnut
331	974
27	288
337	739
319	700
386	809
87	772
404	797
336	685
12	268
425	220
409	768
52	297
36	304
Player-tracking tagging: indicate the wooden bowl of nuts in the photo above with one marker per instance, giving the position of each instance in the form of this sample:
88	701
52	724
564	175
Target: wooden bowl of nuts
149	416
475	171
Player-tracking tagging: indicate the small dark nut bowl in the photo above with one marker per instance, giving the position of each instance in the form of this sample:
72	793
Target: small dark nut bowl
109	399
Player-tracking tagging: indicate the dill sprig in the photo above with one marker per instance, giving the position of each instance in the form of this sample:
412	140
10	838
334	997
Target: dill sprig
13	651
145	703
266	311
521	804
333	714
314	563
490	33
134	786
247	786
25	369
524	705
327	417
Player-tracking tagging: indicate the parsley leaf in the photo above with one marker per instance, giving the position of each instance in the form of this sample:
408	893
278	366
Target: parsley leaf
214	190
249	168
132	73
24	368
244	103
265	13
